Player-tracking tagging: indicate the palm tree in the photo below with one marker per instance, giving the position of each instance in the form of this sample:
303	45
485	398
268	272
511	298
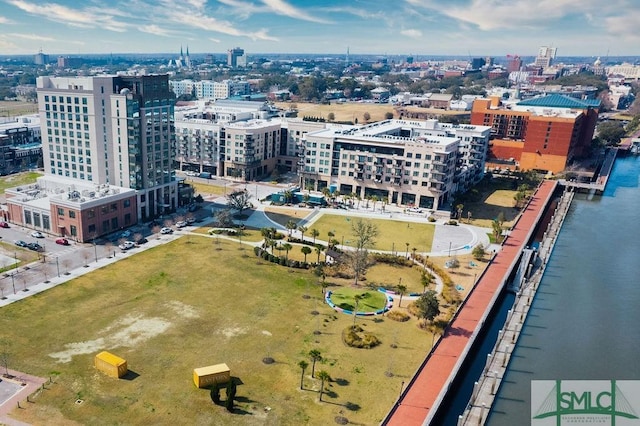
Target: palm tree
324	377
305	250
357	298
286	247
303	365
291	225
288	196
315	233
407	255
315	356
414	250
318	250
401	291
426	279
302	230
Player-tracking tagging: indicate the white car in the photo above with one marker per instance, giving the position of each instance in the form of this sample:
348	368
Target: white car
166	230
37	234
414	210
181	224
127	245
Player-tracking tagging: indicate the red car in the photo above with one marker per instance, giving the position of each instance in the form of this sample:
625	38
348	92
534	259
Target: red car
62	241
4	225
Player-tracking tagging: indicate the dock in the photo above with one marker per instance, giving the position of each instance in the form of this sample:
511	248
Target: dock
598	185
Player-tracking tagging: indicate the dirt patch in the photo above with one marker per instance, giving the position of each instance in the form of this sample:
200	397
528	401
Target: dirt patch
230	332
130	332
184	310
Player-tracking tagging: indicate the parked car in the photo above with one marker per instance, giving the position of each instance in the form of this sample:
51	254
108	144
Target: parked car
20	243
142	240
127	245
4	225
181	224
192	207
34	246
62	241
190	220
37	234
125	234
153	223
414	210
166	230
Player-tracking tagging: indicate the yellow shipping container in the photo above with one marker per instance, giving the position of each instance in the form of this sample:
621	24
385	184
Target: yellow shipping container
111	364
204	377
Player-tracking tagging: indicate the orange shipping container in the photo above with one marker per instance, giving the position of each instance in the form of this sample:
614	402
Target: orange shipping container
204	377
111	364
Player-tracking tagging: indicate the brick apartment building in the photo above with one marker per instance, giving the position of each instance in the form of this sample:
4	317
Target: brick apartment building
544	133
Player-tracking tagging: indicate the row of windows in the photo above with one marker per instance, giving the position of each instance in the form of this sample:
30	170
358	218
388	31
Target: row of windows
74	175
61	99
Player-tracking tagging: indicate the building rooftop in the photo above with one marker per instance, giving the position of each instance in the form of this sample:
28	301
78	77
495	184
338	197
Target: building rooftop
560	101
66	191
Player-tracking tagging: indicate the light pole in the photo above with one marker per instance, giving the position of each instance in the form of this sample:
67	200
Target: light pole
13	283
95	249
58	267
449	248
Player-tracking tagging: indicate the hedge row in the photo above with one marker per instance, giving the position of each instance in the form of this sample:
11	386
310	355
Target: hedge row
280	260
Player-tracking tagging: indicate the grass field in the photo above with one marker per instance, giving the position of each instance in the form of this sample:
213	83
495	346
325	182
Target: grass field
392	234
190	304
204	189
15	108
371	300
342	112
18	179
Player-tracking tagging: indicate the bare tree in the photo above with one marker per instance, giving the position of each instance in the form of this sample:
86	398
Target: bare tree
66	263
364	237
239	200
86	255
45	271
108	246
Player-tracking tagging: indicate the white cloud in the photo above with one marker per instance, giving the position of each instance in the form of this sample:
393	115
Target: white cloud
503	14
283	8
4	20
215	40
413	33
31	37
75	17
155	30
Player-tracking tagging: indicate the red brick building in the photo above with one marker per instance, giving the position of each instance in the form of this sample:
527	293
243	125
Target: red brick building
543	133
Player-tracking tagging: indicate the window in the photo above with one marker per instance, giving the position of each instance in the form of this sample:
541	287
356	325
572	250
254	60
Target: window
72	214
60	211
114	207
92	229
126	203
74	231
91	214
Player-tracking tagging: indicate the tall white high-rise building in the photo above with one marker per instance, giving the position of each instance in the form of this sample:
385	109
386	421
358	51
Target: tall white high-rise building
116	130
545	56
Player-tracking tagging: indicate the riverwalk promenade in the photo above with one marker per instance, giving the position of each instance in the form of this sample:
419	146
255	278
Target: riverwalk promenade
419	402
485	390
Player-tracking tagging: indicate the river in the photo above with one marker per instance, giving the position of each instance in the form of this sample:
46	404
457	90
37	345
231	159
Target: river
584	321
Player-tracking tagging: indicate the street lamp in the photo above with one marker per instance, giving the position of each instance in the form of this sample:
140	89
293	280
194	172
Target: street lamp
95	249
449	248
58	267
13	283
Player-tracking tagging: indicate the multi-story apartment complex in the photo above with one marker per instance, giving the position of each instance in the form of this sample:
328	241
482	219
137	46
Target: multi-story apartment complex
105	139
20	143
543	133
412	163
207	89
228	138
545	56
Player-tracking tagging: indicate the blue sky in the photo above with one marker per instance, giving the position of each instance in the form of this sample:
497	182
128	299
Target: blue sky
418	27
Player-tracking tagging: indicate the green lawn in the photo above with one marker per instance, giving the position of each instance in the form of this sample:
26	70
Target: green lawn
371	300
204	189
18	179
189	304
392	234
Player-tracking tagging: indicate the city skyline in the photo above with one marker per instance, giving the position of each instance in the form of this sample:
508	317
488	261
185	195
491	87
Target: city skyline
407	27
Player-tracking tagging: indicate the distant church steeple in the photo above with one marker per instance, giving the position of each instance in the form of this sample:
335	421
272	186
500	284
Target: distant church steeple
187	60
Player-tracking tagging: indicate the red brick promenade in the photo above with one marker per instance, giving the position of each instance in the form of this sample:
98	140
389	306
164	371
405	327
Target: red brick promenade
427	389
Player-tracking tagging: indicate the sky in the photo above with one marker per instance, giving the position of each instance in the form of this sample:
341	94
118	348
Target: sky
394	27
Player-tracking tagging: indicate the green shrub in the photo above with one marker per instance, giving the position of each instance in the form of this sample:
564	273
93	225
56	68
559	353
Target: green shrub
431	219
